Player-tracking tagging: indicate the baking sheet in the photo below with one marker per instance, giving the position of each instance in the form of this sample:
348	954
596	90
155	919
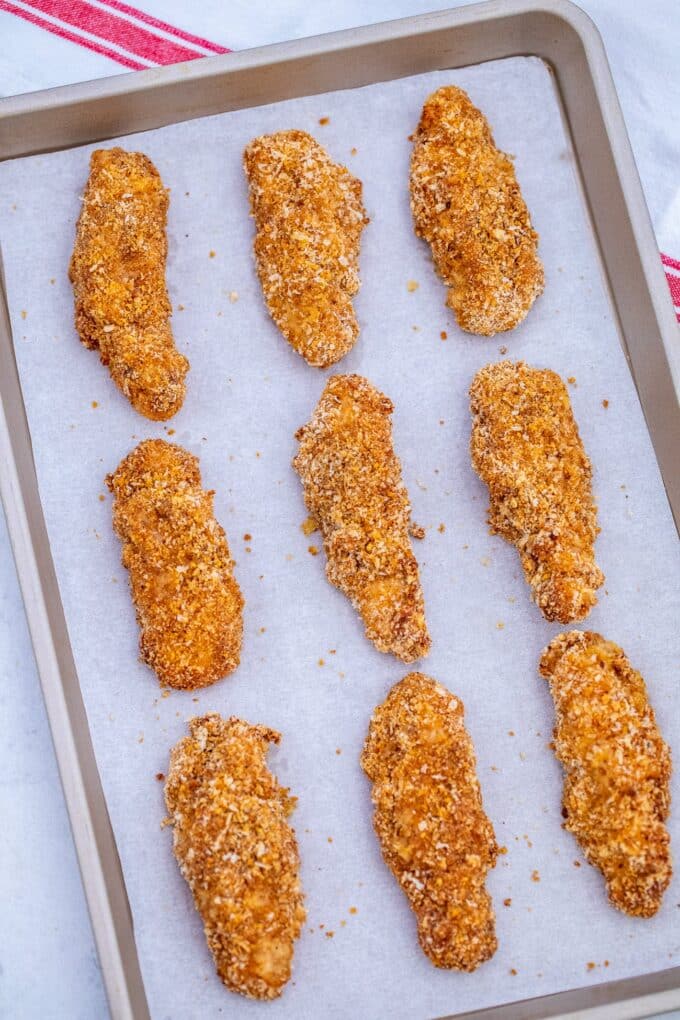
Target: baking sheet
307	669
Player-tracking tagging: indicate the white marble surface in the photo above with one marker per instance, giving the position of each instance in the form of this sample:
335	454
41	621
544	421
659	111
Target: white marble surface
48	966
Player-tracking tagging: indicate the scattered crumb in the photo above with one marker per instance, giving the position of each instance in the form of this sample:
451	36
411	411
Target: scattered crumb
513	971
590	965
309	526
95	403
416	530
507	902
485	561
140	738
411	286
338	750
180	308
329	934
165	693
577	864
511	733
353	910
212	254
313	550
444	335
502	850
324	120
442	528
331	651
441	421
233	296
257	453
322	662
535	877
262	630
160	777
289	556
416	329
572	380
52	280
606	963
503	350
330	839
102	497
247	537
605	404
353	151
500	625
343	923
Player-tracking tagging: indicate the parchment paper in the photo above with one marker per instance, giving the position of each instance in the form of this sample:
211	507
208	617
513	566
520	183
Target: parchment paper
307	668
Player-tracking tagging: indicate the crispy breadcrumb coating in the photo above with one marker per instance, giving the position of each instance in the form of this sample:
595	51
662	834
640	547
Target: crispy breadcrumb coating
118	276
189	606
617	767
309	217
526	446
236	850
353	489
467	205
434	834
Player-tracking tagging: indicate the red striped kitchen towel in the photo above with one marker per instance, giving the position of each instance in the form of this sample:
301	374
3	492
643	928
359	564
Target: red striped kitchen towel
136	40
113	29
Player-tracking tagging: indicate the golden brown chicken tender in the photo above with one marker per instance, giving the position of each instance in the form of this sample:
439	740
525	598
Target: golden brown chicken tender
616	765
353	489
467	205
309	217
526	446
189	606
434	834
236	850
118	276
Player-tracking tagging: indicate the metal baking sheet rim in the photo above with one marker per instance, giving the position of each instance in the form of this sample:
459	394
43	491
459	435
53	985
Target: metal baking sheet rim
562	35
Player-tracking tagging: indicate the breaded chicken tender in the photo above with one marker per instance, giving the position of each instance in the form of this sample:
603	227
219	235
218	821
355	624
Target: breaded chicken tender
236	850
118	276
189	606
617	768
467	205
353	490
309	217
434	834
526	446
